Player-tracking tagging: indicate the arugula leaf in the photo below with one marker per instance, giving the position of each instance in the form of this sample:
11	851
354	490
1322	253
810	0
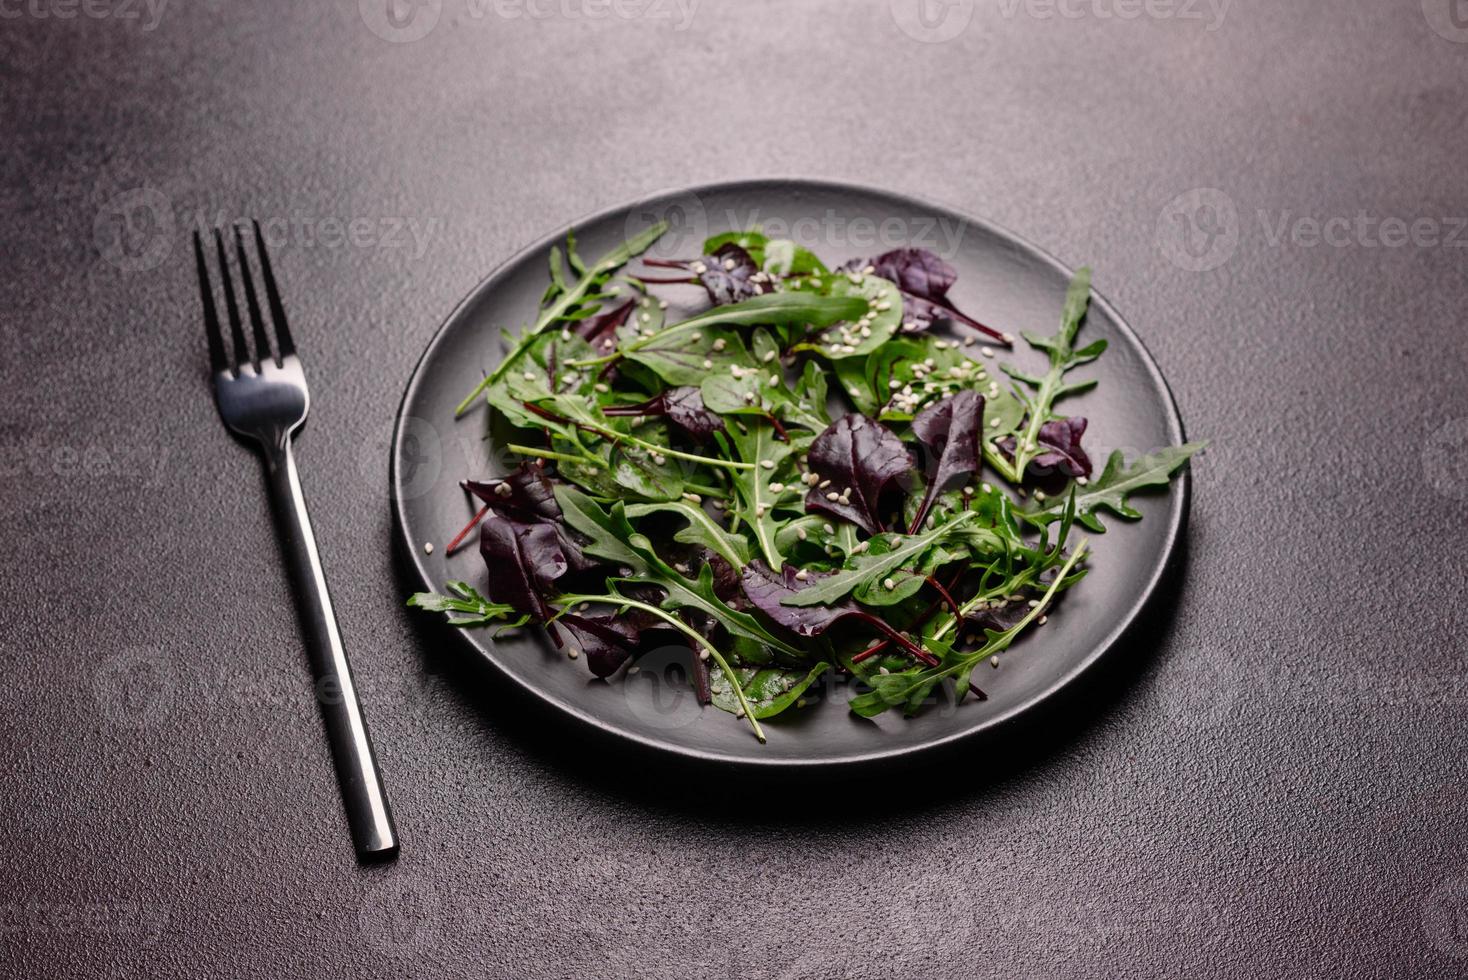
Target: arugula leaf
755	495
869	568
769	690
910	688
875	322
613	538
702	529
476	610
566	301
1117	482
1040	407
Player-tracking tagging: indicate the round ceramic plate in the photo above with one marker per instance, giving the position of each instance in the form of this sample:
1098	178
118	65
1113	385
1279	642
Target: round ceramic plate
1002	280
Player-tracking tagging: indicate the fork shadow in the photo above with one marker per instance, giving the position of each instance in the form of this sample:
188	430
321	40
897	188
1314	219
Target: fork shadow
703	791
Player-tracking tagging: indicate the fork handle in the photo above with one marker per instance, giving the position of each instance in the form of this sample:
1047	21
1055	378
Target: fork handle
368	813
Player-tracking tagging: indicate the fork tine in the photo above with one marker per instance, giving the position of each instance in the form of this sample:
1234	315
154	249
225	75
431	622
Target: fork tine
241	352
217	360
252	303
272	295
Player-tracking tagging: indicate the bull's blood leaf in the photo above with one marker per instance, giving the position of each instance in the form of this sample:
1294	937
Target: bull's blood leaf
857	460
951	430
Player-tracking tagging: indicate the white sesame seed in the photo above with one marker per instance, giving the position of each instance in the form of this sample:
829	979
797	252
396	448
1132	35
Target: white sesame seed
768	464
828	529
662	305
1082	480
824	484
729	265
1009	338
659	458
777	488
968	341
703	655
833	496
994	424
529	375
572	652
699	268
603	388
720	344
774	381
693	498
870	270
801	575
800	533
707	363
994	662
633	669
749	397
884	305
769	356
1039	494
883	670
645	318
565	335
1042	620
889	584
428	547
987	351
759	510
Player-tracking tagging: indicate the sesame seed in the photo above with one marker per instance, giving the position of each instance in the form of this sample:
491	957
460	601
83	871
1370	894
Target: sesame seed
828	529
759	510
884	305
749	397
987	351
768	464
659	459
503	489
703	655
863	546
645	318
800	533
428	547
994	662
883	670
699	268
1009	338
889	584
894	384
603	388
774	381
1042	620
565	335
662	305
824	484
633	669
572	652
801	575
777	488
1082	480
729	264
720	344
769	356
1039	494
693	498
870	270
529	375
707	363
833	496
994	424
607	344
968	341
968	491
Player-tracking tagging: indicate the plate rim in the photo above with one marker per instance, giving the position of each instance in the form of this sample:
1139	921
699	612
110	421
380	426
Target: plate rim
1179	497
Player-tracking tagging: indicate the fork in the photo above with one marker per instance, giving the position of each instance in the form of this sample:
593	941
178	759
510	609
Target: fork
264	397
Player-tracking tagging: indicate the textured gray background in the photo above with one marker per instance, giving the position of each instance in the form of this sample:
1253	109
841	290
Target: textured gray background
1275	790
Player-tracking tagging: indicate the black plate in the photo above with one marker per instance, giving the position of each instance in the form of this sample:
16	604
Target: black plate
1002	280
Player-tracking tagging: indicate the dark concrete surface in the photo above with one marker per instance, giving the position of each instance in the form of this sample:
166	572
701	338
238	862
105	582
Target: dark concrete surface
1274	790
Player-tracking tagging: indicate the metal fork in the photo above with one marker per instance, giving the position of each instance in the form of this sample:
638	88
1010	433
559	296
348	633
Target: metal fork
264	397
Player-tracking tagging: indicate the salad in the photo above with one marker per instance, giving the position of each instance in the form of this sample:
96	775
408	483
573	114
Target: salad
824	469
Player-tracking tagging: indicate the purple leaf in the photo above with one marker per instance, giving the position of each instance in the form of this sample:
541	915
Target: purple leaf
924	280
524	561
1060	449
682	406
597	330
607	641
730	275
952	429
861	458
767	589
527	496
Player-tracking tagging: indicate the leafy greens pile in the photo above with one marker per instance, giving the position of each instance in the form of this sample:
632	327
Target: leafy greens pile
688	480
